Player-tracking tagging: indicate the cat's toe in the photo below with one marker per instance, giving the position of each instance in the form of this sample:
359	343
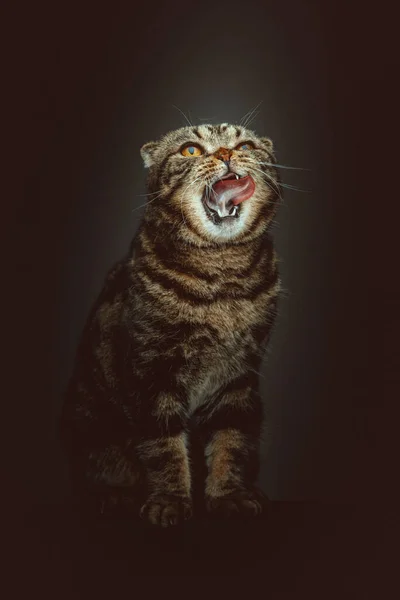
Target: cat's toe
166	510
238	504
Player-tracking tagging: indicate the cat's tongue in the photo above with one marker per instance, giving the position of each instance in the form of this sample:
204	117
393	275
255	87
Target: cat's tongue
229	192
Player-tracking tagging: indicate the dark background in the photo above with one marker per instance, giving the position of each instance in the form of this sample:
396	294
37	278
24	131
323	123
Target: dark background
90	85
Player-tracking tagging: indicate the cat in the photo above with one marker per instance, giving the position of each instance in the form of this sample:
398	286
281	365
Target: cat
170	354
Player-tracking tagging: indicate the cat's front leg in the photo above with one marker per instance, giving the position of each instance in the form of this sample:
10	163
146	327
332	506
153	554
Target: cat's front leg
164	456
232	452
168	479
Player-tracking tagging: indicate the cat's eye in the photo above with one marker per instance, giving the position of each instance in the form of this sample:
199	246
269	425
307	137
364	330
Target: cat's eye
191	150
245	146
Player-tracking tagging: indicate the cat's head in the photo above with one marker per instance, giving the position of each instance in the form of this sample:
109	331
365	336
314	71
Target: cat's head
212	183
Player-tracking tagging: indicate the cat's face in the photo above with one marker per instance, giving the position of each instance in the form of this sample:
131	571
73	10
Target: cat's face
218	180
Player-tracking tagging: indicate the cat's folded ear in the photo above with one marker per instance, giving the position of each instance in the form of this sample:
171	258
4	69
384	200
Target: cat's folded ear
268	144
147	152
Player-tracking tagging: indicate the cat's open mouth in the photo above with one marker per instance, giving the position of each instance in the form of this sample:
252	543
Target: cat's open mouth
223	199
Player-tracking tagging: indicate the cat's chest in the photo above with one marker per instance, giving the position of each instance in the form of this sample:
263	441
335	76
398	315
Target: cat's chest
212	366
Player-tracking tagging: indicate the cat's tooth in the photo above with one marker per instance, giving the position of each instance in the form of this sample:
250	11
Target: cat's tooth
237	176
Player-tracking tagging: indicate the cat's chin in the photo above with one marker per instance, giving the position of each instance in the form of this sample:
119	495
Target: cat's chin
217	229
213	216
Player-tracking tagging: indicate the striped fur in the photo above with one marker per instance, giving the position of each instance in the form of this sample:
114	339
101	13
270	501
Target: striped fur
174	342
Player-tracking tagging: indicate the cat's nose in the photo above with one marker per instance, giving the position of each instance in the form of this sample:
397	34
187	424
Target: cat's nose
223	154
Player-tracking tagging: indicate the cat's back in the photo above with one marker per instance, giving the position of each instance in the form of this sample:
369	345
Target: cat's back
95	376
97	357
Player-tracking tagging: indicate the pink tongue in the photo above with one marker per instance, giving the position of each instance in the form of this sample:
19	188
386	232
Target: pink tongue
228	192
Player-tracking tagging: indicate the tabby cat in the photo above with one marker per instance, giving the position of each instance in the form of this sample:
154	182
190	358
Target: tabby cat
172	348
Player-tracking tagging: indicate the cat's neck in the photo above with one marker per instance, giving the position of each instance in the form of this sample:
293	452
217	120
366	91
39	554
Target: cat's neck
209	257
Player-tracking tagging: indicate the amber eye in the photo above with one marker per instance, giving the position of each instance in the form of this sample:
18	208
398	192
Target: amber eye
245	146
191	150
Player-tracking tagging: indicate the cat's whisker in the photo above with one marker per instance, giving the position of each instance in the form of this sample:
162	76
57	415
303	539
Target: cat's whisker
190	184
276	184
146	203
244	117
139	207
282	166
285	185
182	196
151	194
294	188
257	373
276	187
254	116
184	116
248	117
282	185
209	189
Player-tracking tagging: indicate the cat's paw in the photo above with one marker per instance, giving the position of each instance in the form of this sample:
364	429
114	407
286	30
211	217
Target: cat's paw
238	504
166	510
